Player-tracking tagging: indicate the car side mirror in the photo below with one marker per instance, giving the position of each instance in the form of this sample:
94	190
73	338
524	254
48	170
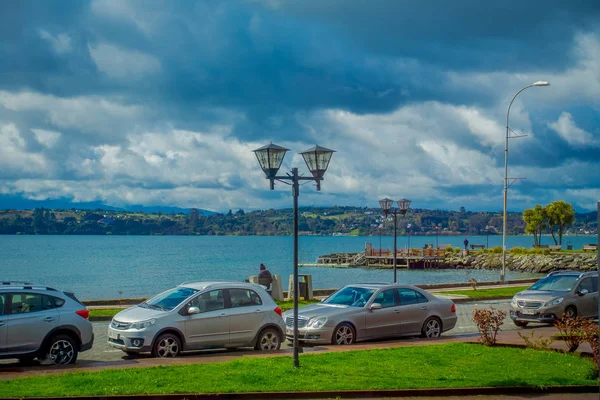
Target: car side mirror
375	306
193	310
583	292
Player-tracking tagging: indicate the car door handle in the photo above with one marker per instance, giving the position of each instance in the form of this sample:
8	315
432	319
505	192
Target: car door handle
424	308
49	319
222	315
396	311
257	311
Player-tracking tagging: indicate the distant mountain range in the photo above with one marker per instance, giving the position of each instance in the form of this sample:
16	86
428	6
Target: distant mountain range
20	203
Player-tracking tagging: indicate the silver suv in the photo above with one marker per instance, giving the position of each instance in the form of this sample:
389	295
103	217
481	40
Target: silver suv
42	322
570	292
196	315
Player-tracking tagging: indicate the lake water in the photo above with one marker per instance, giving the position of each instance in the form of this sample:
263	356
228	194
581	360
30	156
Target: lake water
98	267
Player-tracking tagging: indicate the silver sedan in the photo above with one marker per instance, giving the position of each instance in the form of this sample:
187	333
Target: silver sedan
372	311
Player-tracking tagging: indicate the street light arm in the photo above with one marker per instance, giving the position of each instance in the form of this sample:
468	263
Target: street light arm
513	99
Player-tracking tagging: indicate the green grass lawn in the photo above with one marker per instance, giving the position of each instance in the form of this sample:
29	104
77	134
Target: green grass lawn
481	294
111	312
451	365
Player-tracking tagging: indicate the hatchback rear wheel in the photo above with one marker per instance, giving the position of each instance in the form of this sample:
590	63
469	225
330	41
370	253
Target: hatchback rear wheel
268	339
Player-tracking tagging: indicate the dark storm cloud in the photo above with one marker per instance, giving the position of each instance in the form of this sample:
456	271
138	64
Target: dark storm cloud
509	35
99	71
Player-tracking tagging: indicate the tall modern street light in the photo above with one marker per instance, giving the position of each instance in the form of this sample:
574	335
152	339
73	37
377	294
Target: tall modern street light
317	160
506	178
386	205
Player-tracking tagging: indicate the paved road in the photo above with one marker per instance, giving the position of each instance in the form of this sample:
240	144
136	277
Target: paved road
102	352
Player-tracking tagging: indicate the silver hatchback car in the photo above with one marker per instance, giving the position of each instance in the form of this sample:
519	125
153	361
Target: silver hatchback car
198	315
570	292
371	311
42	322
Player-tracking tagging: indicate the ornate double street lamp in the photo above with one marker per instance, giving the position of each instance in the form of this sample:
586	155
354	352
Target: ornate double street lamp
386	205
506	178
317	160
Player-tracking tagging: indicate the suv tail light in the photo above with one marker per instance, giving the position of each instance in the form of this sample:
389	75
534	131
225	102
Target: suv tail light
453	308
278	311
85	313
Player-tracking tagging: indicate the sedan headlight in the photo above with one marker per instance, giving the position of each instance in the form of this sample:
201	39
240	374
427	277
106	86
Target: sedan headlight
143	324
554	302
513	302
316	323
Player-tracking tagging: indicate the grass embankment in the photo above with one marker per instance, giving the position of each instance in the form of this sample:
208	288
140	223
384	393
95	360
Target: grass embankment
482	294
453	365
111	312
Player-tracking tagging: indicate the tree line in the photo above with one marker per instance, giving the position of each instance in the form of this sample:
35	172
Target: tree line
312	221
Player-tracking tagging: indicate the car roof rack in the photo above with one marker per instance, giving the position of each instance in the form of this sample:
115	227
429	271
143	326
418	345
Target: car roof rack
563	271
572	272
24	285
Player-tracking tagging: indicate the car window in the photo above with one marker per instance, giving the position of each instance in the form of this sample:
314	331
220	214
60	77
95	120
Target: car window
350	296
557	283
170	299
209	301
386	298
244	298
27	303
407	296
588	284
2	303
421	298
58	302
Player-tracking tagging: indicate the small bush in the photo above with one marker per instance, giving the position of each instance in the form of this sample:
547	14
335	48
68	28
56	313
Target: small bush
457	250
449	249
488	323
496	250
518	250
539	343
577	330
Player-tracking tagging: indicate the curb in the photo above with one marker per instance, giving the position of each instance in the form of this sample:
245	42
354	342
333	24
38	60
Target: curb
353	394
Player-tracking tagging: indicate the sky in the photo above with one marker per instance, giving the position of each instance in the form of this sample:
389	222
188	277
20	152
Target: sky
160	103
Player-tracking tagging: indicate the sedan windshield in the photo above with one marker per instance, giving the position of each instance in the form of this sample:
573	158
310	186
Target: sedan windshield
556	283
170	299
351	296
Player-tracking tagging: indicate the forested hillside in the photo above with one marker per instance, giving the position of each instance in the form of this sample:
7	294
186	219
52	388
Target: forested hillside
312	221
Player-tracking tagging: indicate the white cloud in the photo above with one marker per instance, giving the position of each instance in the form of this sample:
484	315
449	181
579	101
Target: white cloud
123	10
120	63
14	156
45	137
60	43
87	114
566	128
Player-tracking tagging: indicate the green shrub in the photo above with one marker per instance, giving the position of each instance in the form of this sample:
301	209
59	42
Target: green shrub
496	250
518	250
457	250
537	343
449	249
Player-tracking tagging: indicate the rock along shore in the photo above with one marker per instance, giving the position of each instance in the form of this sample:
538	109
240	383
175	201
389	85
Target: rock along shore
538	263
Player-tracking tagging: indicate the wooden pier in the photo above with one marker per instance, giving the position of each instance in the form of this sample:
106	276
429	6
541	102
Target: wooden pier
428	258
